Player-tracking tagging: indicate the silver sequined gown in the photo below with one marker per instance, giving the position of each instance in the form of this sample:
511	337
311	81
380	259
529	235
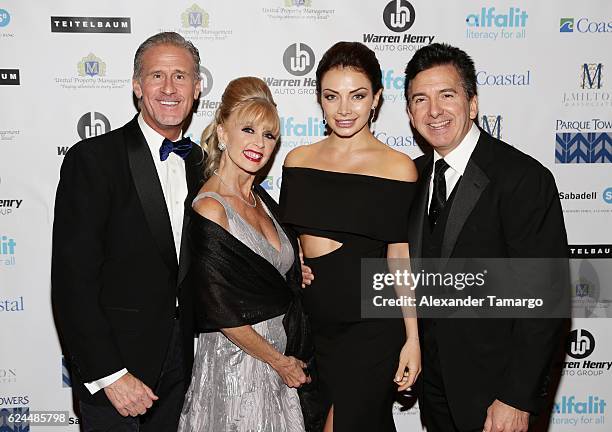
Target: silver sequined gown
231	391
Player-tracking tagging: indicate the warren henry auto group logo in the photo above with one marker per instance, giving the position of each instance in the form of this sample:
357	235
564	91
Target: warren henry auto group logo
206	107
398	16
298	60
580	347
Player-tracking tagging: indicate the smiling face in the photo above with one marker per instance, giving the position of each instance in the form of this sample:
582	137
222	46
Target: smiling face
347	100
166	88
439	108
250	139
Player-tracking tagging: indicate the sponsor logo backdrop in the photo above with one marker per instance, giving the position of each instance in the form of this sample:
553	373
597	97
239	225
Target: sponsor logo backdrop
544	74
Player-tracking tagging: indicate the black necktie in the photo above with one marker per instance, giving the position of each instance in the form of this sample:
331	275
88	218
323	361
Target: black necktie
181	147
438	197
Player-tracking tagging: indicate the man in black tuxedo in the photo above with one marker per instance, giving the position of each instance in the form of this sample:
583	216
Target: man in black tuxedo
479	197
120	290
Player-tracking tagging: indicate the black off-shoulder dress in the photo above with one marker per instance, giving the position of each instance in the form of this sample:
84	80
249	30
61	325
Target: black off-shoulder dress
356	358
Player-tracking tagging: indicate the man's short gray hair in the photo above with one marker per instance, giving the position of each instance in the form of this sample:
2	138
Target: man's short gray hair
167	38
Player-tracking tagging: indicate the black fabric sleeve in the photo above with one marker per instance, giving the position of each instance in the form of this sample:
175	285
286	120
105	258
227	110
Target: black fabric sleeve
534	228
82	206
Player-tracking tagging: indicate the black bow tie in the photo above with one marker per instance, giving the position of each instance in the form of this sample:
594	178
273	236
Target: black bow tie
181	147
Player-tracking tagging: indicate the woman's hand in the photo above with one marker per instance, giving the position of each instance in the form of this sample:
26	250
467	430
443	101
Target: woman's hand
409	364
291	370
307	276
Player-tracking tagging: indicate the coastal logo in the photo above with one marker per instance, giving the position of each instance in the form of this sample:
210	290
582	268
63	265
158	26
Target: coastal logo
69	24
591	88
393	140
398	15
268	183
195	17
92	124
566	25
298	59
91	66
9	77
584	25
8	247
11	304
492	124
5	18
486	78
580	344
490	24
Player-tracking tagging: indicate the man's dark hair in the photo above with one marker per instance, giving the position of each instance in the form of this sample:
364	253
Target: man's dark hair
440	54
354	55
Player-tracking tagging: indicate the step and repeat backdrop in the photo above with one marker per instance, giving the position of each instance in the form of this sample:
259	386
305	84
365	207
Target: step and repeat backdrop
545	82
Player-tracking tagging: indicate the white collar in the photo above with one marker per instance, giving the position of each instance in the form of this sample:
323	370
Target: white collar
459	157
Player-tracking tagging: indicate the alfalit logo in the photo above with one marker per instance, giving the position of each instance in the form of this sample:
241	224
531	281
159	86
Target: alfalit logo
71	24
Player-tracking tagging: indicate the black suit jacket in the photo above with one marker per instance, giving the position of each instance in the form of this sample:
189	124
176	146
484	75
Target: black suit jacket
115	275
506	205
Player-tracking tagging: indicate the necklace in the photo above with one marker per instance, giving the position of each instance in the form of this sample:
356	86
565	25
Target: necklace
237	195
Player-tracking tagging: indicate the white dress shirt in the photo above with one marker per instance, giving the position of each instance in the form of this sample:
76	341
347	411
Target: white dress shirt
457	159
171	173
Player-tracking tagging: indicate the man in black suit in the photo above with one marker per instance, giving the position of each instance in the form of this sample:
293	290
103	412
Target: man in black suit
120	290
479	197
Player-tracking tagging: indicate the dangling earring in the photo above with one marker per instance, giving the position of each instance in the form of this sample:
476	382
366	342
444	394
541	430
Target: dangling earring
324	121
371	119
221	145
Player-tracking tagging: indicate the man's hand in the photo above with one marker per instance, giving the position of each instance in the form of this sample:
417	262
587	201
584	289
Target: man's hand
504	418
130	396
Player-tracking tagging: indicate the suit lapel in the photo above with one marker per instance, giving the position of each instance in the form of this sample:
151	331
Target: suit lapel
468	193
415	227
150	193
194	166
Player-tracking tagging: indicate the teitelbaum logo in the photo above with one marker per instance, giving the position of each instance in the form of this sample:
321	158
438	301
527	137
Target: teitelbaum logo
71	24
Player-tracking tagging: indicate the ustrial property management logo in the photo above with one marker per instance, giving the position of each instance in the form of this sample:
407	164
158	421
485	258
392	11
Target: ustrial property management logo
92	124
65	24
398	15
9	77
91	66
195	17
298	59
